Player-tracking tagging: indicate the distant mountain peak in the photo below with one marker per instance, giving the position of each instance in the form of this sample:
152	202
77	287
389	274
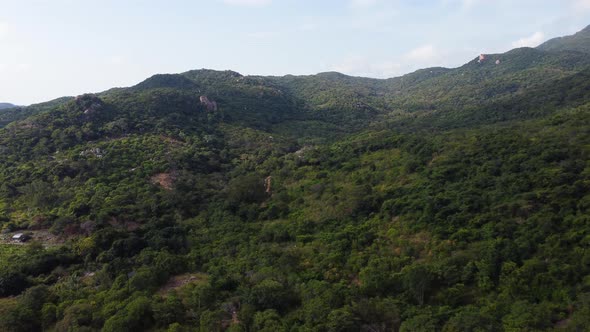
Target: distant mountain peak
211	74
6	105
165	81
580	42
331	75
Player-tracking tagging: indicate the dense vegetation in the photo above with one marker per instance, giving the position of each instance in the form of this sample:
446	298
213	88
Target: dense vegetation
447	199
13	113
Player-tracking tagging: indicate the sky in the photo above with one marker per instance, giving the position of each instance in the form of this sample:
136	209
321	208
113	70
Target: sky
54	48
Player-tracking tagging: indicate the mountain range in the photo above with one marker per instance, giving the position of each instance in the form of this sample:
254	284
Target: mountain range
6	105
446	199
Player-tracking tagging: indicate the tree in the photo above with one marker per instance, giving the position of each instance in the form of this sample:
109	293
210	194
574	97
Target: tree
12	282
35	297
169	311
210	321
269	294
48	315
268	321
76	317
417	280
342	320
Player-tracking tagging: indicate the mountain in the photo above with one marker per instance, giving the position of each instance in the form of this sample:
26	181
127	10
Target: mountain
452	199
16	113
579	42
6	105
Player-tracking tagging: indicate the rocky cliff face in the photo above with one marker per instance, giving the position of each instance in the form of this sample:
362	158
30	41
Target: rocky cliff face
211	105
89	103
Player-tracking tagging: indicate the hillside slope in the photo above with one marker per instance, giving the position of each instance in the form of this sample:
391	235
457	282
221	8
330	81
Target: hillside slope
446	199
6	105
579	42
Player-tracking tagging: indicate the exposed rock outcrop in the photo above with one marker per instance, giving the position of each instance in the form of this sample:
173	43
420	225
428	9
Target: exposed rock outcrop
164	180
89	103
267	184
211	105
93	152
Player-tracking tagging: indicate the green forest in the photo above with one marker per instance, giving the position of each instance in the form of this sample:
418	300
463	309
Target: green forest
442	200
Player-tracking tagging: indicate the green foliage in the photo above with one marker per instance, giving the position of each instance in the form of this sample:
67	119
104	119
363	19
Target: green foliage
135	316
268	321
75	317
447	199
169	311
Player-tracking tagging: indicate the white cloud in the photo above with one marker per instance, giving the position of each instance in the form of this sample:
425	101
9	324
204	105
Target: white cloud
422	54
375	20
15	68
308	23
420	57
262	35
583	5
469	3
309	26
3	29
361	66
116	60
23	67
464	4
532	41
248	3
362	3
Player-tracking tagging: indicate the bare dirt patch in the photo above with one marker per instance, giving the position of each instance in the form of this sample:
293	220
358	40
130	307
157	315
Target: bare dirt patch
164	180
129	226
43	236
180	281
563	324
171	140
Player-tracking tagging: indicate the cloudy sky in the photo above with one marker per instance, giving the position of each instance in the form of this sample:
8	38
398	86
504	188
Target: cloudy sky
52	48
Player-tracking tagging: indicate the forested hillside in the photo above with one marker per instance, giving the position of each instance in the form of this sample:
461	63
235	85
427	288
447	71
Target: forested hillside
443	200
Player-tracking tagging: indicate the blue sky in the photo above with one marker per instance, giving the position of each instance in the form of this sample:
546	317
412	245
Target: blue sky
52	48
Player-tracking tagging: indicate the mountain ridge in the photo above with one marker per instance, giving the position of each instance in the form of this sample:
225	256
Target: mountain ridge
354	102
6	105
576	42
443	200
